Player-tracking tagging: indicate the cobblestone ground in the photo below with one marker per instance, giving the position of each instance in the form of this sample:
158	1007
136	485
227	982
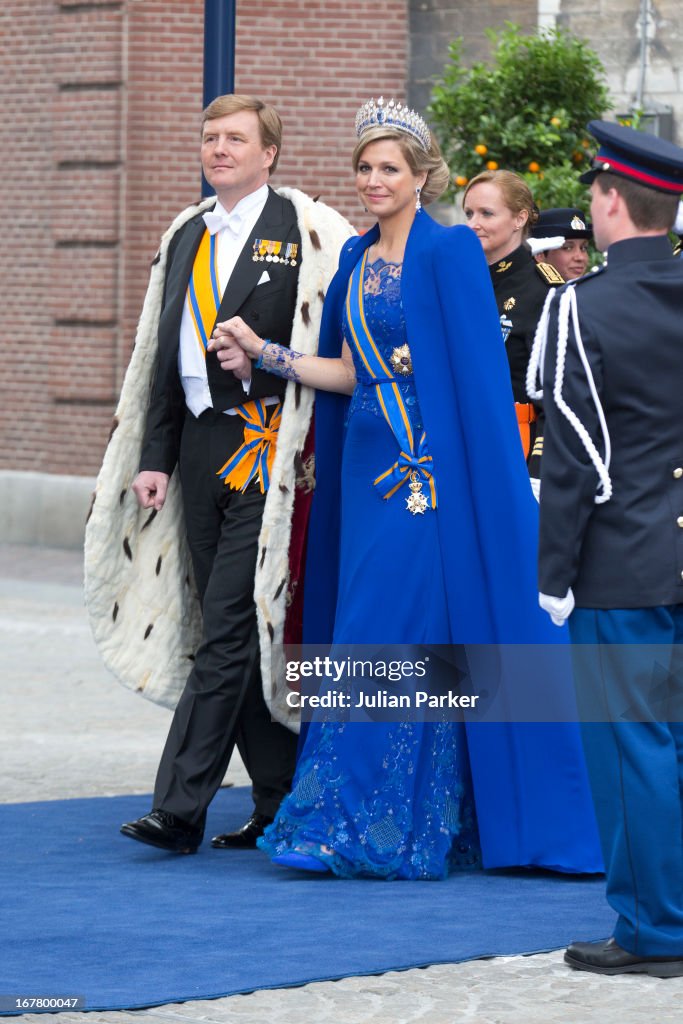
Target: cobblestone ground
69	730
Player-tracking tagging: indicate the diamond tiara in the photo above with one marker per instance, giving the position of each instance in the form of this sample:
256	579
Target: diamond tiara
394	115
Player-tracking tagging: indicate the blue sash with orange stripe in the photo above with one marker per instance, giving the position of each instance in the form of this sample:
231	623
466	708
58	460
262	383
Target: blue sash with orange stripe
253	460
412	459
203	291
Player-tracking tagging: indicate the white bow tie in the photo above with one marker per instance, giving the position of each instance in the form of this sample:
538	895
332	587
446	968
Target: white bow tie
217	221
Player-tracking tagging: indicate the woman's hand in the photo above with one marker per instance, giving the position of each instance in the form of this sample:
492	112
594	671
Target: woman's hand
234	342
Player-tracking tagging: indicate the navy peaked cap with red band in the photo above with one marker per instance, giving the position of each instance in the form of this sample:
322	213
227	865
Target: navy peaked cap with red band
644	158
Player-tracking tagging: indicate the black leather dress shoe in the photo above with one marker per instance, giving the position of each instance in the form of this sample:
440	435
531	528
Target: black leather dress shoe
244	838
609	958
164	830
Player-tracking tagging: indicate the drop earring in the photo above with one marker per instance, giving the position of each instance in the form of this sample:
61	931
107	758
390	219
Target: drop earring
418	204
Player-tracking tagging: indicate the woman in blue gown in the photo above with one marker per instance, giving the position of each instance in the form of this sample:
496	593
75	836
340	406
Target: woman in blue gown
390	799
422	540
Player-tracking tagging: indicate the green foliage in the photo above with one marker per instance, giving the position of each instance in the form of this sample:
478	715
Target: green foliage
526	111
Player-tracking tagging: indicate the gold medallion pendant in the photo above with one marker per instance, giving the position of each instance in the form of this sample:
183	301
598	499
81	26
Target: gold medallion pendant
417	503
401	361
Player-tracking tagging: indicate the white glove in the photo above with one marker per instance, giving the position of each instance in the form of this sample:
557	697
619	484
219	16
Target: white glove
535	482
558	608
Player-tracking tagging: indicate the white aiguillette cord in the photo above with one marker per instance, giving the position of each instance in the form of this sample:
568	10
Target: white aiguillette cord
567	308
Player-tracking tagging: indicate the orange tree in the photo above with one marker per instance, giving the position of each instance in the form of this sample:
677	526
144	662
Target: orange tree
525	111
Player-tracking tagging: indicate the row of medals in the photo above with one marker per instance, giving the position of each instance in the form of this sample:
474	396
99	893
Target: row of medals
265	249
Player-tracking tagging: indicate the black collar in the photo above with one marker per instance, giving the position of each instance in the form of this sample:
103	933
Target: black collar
519	257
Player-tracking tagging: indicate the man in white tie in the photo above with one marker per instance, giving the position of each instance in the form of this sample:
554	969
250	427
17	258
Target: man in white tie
265	256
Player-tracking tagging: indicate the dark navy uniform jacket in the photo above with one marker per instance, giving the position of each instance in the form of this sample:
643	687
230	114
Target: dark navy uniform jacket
521	285
627	552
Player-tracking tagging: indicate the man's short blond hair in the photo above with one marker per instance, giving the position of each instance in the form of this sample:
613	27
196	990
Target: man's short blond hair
270	123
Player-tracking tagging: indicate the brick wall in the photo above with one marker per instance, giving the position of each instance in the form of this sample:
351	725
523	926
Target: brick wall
321	61
26	145
100	138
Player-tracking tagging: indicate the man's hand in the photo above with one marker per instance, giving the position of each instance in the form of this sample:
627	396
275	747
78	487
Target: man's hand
150	489
230	355
558	608
236	331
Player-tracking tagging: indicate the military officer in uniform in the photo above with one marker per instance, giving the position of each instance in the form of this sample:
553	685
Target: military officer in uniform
566	234
611	539
499	207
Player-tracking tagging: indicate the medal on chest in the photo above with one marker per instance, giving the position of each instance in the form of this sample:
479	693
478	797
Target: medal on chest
505	321
401	361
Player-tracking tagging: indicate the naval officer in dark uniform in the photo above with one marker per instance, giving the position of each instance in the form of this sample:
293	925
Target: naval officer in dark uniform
611	539
500	208
561	237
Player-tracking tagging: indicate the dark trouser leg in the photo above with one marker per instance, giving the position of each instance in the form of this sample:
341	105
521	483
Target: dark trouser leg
268	750
222	698
632	752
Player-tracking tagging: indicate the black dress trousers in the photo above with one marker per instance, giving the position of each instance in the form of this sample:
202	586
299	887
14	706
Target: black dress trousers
222	703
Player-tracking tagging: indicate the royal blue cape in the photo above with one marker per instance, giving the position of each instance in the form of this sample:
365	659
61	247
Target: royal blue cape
530	782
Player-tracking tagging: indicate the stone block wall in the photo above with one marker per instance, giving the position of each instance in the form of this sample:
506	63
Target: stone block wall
435	23
614	29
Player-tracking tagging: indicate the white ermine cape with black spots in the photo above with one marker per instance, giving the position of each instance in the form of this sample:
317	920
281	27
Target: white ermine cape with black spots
142	604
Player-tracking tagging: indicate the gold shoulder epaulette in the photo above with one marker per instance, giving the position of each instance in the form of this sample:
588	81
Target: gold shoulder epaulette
549	273
677	248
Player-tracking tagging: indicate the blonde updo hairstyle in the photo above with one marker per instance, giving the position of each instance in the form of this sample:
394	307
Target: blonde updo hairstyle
515	192
418	159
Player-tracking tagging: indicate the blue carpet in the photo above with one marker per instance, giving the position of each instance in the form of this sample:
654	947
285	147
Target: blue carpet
87	912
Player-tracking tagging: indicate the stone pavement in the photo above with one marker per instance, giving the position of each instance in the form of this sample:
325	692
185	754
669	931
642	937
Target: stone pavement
69	730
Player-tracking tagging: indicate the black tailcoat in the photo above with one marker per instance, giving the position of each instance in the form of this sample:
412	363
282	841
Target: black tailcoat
222	703
267	308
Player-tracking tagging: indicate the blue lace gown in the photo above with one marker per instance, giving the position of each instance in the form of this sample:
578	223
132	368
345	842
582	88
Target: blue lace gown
382	799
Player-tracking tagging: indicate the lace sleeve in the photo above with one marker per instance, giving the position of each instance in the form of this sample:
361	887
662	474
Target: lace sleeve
279	360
